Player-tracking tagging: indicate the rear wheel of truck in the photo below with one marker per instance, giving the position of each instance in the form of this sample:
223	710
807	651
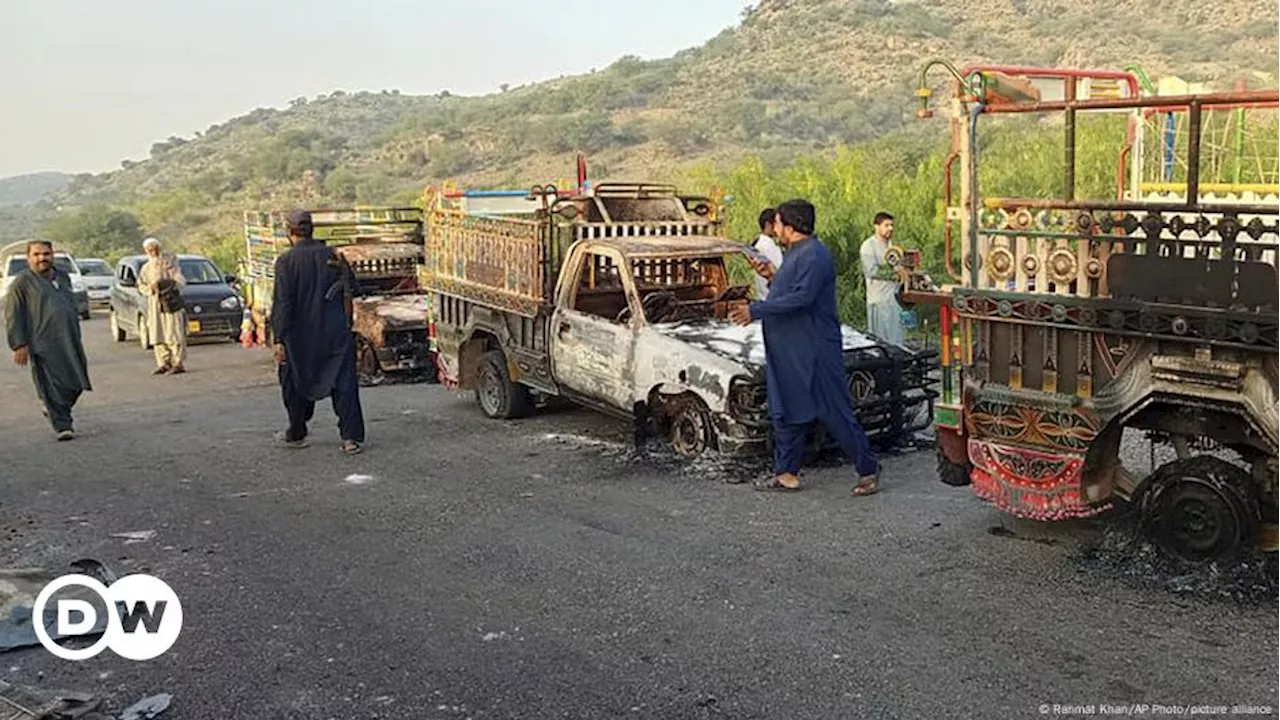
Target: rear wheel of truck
951	473
1200	508
689	426
497	396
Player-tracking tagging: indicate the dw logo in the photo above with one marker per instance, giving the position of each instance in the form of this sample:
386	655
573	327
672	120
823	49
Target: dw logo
146	623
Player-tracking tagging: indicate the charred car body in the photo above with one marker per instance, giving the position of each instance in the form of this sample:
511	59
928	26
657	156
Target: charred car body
617	298
391	317
1072	321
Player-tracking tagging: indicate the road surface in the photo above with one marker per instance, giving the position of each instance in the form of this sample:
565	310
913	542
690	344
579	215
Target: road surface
467	568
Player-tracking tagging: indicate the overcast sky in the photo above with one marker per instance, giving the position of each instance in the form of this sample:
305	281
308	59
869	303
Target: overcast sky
85	84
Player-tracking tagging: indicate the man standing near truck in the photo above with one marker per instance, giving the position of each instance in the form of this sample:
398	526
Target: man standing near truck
803	354
766	245
314	346
884	314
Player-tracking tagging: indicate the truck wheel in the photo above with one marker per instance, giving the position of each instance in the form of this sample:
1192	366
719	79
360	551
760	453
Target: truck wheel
950	473
690	427
117	334
497	396
368	369
1200	508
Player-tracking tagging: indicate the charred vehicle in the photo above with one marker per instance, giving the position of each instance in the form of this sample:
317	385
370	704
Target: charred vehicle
1154	310
617	298
391	316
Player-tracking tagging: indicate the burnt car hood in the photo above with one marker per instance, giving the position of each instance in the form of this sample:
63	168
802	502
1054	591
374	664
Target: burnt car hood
396	311
744	344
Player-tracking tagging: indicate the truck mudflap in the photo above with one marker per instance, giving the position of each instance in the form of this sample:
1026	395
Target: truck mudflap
1029	483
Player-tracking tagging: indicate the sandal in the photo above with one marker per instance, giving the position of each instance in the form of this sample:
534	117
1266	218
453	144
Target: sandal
772	485
350	447
868	486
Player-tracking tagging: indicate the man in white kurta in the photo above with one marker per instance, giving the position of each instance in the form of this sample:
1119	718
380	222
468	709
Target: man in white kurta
167	332
766	245
884	314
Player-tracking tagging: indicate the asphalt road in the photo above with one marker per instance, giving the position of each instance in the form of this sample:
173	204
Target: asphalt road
466	568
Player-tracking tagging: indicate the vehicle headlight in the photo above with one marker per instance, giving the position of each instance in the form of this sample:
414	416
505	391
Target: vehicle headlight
230	303
77	286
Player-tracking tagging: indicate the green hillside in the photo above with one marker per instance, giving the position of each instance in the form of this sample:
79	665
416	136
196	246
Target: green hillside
795	77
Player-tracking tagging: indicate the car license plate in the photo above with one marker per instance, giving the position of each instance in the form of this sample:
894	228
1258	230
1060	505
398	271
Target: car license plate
193	326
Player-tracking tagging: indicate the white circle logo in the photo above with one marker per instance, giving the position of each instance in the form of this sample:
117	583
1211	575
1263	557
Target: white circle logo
143	617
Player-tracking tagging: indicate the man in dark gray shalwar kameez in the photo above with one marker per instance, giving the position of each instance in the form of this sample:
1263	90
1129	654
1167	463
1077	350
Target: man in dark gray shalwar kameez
44	332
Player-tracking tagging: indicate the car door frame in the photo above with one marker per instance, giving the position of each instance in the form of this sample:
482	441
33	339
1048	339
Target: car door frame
125	298
591	356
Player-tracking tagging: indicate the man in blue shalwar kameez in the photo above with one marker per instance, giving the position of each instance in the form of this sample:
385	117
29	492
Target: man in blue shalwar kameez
803	352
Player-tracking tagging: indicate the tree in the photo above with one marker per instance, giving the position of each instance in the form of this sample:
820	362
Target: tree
96	231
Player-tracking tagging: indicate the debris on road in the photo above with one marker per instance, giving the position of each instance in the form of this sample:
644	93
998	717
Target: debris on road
356	479
23	702
147	707
134	536
18	590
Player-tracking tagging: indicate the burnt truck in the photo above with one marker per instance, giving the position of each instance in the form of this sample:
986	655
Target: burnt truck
1070	321
616	298
391	316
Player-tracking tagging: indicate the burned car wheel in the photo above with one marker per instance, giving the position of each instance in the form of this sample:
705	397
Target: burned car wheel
1199	508
689	426
497	396
368	369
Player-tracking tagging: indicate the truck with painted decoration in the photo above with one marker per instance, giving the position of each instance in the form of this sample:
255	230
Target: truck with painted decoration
1147	307
617	298
391	316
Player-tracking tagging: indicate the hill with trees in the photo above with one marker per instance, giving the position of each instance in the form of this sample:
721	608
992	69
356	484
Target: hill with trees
793	79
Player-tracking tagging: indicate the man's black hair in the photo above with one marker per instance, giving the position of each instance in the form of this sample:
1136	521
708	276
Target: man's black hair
798	215
33	243
766	216
299	223
881	217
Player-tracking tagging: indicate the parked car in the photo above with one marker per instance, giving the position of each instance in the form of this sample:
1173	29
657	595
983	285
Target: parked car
97	277
213	309
16	263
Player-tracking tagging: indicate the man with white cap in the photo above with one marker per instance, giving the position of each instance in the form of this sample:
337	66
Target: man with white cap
162	282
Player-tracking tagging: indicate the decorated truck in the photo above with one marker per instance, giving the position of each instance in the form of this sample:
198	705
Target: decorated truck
1069	321
391	316
616	298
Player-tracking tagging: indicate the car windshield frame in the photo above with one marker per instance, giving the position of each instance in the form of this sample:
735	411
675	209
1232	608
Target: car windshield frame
207	268
95	268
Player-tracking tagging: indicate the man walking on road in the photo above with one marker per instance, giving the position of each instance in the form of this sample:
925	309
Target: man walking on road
314	346
803	355
162	282
767	246
884	314
44	332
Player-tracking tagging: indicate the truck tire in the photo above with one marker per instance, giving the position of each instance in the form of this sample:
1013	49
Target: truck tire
690	428
496	395
368	369
1200	508
950	473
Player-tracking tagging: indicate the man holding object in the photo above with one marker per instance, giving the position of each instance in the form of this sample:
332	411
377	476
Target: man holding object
803	355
